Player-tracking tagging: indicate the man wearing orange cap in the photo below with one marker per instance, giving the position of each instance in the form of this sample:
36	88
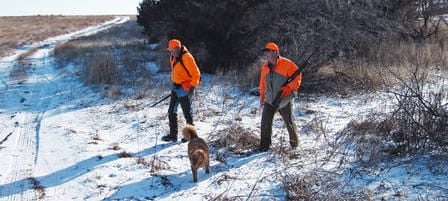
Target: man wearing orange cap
185	75
274	73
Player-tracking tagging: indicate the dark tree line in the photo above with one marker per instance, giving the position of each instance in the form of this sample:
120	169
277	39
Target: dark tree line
229	34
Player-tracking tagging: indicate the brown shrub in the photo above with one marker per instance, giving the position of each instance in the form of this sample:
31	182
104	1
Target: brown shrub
116	147
235	138
113	92
100	69
69	52
367	140
19	71
119	56
319	186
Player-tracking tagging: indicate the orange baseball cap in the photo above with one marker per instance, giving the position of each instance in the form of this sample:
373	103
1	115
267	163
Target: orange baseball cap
271	46
173	43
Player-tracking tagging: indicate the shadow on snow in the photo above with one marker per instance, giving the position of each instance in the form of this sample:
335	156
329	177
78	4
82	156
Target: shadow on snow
70	173
162	186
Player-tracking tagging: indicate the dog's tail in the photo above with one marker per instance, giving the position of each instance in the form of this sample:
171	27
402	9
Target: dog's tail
199	157
190	130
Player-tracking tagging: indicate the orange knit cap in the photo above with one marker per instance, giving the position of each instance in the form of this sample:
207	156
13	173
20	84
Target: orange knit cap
271	46
173	43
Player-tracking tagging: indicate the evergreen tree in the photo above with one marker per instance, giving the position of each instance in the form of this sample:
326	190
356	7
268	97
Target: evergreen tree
229	34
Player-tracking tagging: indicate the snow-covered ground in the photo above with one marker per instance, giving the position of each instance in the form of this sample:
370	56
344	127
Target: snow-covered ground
59	140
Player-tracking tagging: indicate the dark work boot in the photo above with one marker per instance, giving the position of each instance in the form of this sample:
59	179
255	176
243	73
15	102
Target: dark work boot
169	138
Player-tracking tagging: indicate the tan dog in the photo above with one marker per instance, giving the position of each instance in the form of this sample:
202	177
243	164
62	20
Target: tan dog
197	151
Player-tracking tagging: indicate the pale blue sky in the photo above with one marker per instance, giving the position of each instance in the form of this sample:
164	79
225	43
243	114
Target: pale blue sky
68	7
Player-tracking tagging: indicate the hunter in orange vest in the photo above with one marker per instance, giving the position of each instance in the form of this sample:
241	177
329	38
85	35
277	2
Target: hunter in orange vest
274	72
186	76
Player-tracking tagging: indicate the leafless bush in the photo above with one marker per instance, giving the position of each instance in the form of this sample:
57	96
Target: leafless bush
235	138
367	140
19	71
100	69
419	121
118	56
439	164
418	84
69	52
113	92
420	115
318	186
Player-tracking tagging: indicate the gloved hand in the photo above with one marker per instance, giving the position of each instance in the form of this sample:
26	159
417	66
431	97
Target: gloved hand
286	90
186	85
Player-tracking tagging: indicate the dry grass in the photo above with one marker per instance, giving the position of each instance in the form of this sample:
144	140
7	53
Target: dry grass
117	58
23	30
100	69
432	52
319	185
246	77
342	78
235	138
19	71
366	140
113	92
116	147
369	73
155	164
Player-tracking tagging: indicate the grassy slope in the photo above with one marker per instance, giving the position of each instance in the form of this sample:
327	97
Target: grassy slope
23	30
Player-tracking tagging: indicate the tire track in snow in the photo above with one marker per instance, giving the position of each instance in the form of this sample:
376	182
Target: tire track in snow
32	110
36	94
22	165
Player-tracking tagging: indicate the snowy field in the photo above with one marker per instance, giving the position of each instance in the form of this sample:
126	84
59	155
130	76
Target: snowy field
60	140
